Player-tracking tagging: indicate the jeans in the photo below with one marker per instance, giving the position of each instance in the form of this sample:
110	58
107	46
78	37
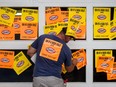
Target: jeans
47	81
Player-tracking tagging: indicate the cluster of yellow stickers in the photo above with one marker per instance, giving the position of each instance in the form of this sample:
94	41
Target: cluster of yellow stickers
74	17
25	24
104	62
104	27
18	62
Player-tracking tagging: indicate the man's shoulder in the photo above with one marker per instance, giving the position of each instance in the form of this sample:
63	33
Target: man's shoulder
47	36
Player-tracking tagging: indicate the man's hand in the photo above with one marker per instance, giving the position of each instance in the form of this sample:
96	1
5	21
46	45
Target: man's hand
74	61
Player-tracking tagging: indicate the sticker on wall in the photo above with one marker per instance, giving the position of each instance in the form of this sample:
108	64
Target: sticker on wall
66	14
6	32
72	28
17	24
6	59
101	29
112	34
12	23
29	15
114	17
101	14
104	23
80	15
80	55
53	15
51	29
104	61
21	63
7	16
99	53
112	74
61	25
29	31
77	13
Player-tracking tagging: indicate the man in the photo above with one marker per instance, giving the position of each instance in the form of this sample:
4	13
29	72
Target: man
52	52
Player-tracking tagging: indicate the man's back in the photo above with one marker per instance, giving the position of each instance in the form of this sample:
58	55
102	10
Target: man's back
52	52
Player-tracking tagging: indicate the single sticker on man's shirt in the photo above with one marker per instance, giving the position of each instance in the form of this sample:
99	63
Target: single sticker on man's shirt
51	49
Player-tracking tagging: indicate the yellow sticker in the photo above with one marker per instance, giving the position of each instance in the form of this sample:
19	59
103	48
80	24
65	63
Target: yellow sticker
99	53
101	29
73	25
112	34
78	14
21	63
29	15
63	68
7	16
51	29
102	14
61	25
114	18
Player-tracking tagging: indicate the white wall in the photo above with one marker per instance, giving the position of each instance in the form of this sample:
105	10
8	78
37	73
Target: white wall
89	44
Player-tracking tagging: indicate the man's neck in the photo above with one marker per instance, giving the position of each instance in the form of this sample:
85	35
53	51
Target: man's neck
61	36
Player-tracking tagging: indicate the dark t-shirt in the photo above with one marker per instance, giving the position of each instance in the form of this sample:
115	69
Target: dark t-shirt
48	67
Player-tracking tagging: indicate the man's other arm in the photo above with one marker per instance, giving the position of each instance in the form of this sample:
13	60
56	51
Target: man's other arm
31	51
